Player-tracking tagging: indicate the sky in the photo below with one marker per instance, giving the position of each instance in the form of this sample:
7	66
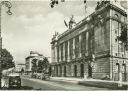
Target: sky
33	24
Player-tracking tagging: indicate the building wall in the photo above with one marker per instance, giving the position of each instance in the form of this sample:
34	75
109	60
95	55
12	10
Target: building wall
101	68
118	52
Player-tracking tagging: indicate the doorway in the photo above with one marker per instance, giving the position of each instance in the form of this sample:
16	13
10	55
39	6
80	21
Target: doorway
124	72
117	75
75	70
60	70
89	71
64	71
56	70
82	70
50	71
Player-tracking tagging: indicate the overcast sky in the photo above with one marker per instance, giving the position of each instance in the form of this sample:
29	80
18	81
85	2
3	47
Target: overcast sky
33	23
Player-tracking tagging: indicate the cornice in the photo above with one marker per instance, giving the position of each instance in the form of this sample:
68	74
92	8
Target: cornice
94	14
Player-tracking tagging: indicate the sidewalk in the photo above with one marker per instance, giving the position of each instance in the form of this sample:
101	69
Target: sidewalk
94	82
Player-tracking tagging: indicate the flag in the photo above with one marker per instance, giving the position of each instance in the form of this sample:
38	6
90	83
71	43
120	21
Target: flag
85	4
65	23
85	1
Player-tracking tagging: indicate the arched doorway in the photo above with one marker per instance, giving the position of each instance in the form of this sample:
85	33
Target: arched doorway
117	72
89	71
75	70
64	71
50	71
60	70
82	70
124	72
56	70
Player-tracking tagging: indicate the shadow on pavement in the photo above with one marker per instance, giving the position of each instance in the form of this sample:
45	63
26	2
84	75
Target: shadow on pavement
21	88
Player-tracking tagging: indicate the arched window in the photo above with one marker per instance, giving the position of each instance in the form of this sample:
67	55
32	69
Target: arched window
116	16
117	67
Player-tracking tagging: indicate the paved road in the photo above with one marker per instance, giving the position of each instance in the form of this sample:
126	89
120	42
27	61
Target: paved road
54	85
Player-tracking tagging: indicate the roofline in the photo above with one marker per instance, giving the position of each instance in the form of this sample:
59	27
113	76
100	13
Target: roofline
96	12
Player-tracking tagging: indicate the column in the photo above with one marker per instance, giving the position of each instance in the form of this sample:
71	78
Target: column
73	48
64	51
80	39
59	53
55	53
52	51
68	50
87	36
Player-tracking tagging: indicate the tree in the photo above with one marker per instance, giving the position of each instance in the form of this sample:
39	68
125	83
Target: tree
40	66
34	65
6	59
55	2
123	36
43	65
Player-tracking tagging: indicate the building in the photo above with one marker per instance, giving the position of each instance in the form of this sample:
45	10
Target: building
93	47
19	67
28	60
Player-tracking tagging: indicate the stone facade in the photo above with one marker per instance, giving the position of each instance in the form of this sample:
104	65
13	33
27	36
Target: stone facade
92	48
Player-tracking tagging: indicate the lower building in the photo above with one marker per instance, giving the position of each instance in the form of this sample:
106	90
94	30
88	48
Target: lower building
28	61
20	67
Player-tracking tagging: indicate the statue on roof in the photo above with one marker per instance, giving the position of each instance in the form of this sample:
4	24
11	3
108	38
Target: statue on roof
71	23
101	4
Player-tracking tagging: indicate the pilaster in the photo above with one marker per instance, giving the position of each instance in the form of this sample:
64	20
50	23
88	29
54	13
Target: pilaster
68	51
80	40
64	51
73	48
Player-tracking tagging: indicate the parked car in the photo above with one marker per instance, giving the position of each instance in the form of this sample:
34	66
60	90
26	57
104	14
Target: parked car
14	81
45	76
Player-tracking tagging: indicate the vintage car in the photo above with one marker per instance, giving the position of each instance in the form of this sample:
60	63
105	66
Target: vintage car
45	76
14	81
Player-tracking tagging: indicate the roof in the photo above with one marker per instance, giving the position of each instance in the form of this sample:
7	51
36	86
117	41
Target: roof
14	74
88	18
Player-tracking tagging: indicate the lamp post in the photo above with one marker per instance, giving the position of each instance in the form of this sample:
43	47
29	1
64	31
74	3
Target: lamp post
8	5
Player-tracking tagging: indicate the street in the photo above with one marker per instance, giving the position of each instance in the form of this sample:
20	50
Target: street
28	83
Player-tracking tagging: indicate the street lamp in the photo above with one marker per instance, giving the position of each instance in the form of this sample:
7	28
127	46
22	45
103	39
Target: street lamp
8	5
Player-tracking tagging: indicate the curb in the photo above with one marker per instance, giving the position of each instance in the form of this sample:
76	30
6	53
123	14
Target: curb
109	85
99	84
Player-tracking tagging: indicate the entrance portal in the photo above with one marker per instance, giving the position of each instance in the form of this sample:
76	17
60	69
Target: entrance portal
50	71
56	70
124	72
75	70
89	71
60	70
117	72
64	71
82	70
